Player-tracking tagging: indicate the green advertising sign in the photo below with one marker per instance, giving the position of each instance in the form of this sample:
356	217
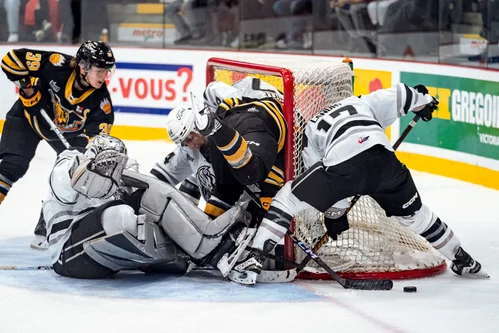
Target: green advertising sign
467	119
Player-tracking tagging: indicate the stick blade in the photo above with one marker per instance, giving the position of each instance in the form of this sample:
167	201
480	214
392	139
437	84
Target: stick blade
369	284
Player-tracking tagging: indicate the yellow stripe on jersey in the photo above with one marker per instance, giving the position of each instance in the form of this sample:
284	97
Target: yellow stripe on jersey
274	111
7	60
14	57
26	114
5	185
272	182
275	177
2	197
241	157
278	171
69	88
213	210
231	143
12	71
11	64
230	103
37	128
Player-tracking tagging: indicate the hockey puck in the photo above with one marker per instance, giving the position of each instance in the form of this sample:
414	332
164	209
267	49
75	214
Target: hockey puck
410	289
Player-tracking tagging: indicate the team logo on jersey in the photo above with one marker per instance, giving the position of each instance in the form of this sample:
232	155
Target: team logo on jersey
206	181
57	59
63	117
363	139
105	105
253	109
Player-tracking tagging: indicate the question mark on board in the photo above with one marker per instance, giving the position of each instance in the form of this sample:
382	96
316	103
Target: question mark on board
188	73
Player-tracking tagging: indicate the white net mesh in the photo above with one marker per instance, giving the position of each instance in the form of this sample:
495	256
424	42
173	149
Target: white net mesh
374	242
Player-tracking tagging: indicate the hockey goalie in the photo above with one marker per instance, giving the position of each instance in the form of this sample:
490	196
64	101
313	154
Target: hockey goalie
102	218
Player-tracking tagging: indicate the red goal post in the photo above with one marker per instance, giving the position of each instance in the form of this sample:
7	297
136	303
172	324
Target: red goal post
375	247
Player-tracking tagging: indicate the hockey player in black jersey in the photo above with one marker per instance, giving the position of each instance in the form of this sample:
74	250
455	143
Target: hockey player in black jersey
346	153
246	151
73	92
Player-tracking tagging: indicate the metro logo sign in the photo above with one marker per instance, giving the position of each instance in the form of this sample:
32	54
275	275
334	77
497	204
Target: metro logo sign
150	88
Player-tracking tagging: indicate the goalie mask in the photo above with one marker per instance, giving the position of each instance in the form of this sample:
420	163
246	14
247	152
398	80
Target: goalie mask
104	142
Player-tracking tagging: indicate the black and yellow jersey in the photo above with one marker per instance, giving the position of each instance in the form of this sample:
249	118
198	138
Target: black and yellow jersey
75	112
249	148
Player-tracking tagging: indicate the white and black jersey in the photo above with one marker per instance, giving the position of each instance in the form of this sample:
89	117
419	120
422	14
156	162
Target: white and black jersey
356	124
64	206
183	162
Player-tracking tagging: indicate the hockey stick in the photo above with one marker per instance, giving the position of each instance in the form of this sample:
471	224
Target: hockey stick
24	268
356	198
55	129
345	283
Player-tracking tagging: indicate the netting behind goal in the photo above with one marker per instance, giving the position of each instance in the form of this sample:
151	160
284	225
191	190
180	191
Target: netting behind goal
375	246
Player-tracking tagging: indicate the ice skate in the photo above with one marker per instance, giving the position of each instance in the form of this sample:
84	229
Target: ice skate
466	266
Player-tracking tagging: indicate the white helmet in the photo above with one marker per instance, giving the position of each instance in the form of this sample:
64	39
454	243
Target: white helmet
180	123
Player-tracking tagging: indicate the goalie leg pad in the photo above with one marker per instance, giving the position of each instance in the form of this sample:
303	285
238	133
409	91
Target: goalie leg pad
123	251
182	220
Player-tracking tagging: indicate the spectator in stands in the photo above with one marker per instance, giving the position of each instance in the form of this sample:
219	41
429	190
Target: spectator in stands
12	13
297	35
377	11
76	15
188	24
412	16
95	19
352	15
42	18
228	13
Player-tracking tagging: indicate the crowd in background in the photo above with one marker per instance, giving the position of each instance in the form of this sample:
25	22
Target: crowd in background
366	27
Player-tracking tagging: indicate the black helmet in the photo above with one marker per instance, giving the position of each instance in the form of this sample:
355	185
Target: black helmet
97	54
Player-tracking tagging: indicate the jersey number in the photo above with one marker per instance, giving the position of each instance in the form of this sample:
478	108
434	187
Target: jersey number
325	126
33	61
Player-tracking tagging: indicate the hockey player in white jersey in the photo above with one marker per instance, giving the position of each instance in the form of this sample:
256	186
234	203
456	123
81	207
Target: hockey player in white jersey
97	226
347	153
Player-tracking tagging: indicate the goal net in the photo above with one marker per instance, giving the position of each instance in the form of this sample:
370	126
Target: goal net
375	246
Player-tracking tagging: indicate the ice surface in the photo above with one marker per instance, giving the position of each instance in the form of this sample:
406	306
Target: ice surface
41	301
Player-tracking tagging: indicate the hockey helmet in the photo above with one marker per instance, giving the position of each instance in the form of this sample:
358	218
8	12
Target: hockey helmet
180	123
98	54
104	142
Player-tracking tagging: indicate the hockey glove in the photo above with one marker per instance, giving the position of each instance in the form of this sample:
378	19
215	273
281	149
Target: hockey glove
336	221
426	113
207	123
29	93
421	89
